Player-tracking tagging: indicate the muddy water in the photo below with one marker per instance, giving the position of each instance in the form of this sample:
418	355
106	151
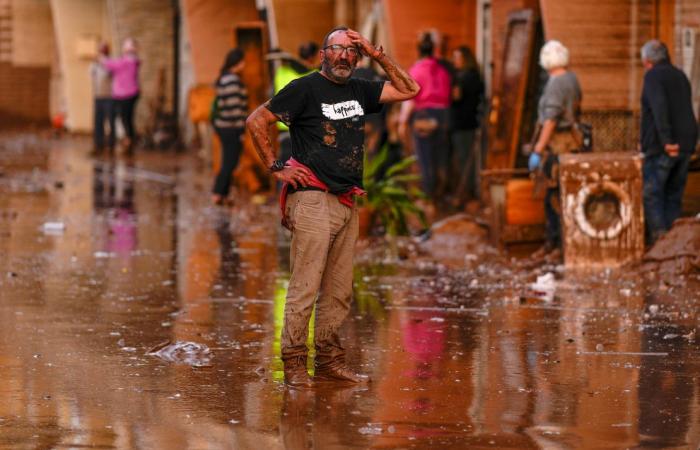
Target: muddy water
465	355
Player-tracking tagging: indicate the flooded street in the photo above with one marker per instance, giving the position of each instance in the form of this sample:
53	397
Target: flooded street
133	315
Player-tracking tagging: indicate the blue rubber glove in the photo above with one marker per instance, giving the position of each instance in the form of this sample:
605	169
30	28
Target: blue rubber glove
534	162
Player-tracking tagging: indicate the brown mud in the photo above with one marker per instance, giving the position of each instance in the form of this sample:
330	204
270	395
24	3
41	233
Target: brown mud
106	261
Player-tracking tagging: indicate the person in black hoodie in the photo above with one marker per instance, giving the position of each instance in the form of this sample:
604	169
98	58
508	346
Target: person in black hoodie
667	139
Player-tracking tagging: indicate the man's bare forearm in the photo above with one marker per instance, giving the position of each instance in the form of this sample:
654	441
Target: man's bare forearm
400	79
546	132
259	129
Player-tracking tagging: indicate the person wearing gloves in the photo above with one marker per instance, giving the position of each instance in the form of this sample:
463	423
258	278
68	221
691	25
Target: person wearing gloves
558	111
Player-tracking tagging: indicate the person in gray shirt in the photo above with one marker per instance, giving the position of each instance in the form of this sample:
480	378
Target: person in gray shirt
103	105
557	112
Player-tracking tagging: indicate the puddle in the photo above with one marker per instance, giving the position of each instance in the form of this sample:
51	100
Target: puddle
462	352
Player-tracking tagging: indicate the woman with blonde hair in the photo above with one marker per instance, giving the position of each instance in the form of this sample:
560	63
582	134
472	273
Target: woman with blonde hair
558	111
125	86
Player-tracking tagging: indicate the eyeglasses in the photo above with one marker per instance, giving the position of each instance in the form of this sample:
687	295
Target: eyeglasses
338	49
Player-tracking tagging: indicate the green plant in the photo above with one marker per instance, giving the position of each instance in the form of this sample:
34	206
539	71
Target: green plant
391	197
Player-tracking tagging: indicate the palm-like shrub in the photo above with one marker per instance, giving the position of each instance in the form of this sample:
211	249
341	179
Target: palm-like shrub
391	197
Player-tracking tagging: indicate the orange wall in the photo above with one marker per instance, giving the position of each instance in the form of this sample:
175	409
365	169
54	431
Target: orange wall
604	44
455	19
209	26
290	14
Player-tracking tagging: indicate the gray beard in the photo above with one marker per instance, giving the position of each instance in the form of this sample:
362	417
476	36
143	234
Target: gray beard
326	69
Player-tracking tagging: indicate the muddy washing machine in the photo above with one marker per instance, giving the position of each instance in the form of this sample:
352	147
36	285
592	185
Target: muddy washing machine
601	205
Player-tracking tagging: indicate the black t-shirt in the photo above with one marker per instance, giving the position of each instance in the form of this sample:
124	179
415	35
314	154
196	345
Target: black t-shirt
326	123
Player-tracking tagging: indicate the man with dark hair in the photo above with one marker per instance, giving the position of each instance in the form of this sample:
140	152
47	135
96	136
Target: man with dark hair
668	138
308	53
325	112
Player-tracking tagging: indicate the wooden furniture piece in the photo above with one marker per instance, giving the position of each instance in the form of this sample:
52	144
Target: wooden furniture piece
513	92
516	216
602	216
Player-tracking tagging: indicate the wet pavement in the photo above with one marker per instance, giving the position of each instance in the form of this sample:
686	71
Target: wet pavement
135	316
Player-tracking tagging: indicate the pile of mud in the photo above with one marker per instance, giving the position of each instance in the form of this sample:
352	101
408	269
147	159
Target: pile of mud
453	241
678	251
456	240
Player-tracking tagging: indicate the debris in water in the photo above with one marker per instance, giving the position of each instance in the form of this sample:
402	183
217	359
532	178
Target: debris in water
545	286
670	336
624	353
53	228
181	352
370	430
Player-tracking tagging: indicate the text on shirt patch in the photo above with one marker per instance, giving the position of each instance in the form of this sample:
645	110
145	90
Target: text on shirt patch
343	110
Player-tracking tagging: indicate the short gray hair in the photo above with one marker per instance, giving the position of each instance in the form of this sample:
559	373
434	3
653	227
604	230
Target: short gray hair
553	55
655	51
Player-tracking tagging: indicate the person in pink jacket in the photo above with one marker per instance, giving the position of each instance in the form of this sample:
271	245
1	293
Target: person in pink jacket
125	86
429	118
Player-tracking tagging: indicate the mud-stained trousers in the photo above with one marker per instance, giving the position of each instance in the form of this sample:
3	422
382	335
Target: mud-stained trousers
323	241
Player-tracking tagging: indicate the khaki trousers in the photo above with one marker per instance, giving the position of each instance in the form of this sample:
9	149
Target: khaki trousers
323	242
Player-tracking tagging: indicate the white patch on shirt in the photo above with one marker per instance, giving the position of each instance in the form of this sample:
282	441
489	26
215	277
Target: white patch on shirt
343	110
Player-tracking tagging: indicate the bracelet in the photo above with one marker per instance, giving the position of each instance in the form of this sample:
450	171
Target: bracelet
276	166
378	52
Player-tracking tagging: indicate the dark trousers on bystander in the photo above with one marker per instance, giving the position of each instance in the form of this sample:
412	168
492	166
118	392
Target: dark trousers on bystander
432	150
552	219
466	162
231	147
552	203
104	112
124	107
664	182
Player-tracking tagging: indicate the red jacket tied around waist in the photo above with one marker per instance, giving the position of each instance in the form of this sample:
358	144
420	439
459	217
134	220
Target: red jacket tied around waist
346	198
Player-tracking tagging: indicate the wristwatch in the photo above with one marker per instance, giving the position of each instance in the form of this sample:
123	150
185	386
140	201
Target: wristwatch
276	166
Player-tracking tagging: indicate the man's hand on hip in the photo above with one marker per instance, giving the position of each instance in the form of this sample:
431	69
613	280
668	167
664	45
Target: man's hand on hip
296	176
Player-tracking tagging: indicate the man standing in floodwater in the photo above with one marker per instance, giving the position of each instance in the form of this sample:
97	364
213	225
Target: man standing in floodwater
325	113
668	136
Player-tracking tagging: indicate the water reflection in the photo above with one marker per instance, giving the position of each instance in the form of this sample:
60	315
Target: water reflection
142	261
668	414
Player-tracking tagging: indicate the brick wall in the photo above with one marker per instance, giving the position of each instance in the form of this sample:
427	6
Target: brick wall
150	22
24	94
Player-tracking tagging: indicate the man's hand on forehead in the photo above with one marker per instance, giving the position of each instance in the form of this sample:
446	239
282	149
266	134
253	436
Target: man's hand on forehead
359	41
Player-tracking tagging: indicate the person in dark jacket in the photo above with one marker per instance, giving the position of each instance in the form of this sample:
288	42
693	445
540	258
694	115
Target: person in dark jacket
467	94
667	139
